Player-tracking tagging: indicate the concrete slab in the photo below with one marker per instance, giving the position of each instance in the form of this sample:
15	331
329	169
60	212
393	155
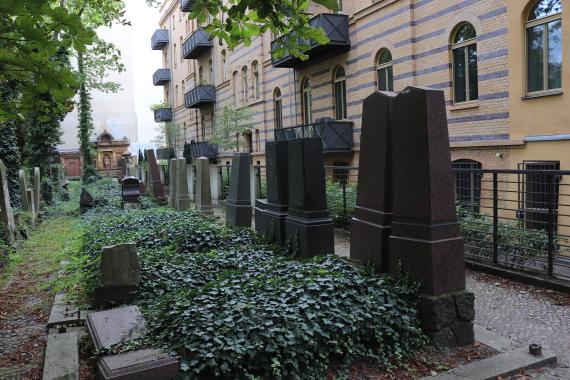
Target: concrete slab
495	341
501	365
64	314
148	364
109	327
62	357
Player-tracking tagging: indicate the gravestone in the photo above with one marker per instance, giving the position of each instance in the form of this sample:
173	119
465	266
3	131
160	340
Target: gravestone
270	213
119	274
203	190
130	191
425	238
172	183
308	224
123	166
156	185
110	327
7	217
36	182
238	204
23	182
182	196
370	225
31	205
146	364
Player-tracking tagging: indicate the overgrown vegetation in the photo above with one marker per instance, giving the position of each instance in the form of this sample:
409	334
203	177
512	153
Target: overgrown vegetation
341	199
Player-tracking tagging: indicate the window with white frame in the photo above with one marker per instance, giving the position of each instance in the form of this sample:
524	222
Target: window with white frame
464	66
277	109
384	71
339	88
244	84
256	84
224	66
306	101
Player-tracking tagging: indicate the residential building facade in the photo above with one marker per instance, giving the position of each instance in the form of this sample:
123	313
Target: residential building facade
502	65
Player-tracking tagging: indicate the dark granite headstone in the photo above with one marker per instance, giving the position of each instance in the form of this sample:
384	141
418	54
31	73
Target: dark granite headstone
119	274
370	225
238	204
270	213
426	239
147	364
130	190
309	225
156	185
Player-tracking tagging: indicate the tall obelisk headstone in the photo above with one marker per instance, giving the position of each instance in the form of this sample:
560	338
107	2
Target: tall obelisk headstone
426	239
308	224
203	189
370	226
36	188
182	197
238	204
156	185
8	224
270	213
172	182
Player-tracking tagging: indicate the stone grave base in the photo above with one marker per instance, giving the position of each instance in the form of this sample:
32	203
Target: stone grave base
370	230
312	237
105	295
148	364
270	220
238	215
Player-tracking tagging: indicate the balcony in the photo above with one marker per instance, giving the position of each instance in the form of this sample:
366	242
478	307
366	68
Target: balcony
199	96
186	5
196	44
203	149
163	114
335	27
336	135
159	39
161	77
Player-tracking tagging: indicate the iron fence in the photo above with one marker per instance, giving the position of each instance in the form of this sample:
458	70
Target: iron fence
341	193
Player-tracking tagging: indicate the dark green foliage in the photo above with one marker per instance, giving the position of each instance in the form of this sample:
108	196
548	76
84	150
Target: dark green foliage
85	124
10	155
47	190
340	202
141	157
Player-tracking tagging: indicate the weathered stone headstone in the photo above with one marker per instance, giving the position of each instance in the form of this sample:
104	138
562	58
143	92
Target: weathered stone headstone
31	205
182	196
308	224
138	365
203	190
425	238
119	274
7	217
23	182
36	187
109	327
370	225
238	204
156	184
270	213
172	183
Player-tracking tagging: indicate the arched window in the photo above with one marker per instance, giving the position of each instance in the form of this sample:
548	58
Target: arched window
384	71
201	78
306	101
255	71
464	51
544	46
203	126
183	88
339	91
244	84
235	84
277	109
467	184
176	99
174	59
181	57
224	68
210	72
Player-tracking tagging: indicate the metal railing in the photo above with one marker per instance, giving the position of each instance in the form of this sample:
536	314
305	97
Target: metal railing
196	44
159	39
336	135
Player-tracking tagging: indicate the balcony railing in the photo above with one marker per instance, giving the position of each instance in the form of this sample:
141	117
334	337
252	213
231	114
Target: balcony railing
203	149
163	114
159	39
199	96
196	44
161	77
336	135
186	5
335	27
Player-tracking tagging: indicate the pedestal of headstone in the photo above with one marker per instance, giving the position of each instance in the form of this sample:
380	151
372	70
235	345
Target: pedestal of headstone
203	191
270	213
308	225
146	364
119	274
182	202
23	182
156	185
370	225
238	204
172	182
426	240
36	188
7	217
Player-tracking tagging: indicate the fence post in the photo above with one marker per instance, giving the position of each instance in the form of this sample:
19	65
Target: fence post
495	218
549	226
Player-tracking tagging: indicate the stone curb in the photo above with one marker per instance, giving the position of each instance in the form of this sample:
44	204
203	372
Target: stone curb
506	363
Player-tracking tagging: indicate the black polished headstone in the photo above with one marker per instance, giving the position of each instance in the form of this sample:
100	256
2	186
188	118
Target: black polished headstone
309	225
370	225
238	204
270	213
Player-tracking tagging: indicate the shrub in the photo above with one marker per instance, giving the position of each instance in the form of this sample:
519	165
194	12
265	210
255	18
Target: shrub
340	214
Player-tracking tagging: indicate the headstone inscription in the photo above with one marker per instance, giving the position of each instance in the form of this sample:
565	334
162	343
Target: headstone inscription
308	224
426	240
270	213
238	204
370	225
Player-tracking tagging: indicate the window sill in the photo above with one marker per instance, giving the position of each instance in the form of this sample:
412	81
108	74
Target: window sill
464	106
542	94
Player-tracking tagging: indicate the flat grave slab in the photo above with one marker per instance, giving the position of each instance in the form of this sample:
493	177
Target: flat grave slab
147	364
64	313
62	357
114	326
